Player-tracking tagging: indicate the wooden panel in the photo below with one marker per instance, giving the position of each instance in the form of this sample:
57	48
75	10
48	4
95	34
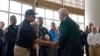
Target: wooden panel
53	6
29	2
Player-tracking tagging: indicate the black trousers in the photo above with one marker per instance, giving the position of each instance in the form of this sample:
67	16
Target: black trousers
59	52
44	51
1	50
73	49
10	50
32	52
87	49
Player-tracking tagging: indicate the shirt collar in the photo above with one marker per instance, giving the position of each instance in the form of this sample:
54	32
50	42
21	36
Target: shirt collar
66	17
93	33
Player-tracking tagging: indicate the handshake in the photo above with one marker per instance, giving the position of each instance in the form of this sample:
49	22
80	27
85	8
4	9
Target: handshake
53	44
46	43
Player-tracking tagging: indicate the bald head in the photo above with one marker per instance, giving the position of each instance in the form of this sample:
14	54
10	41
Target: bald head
63	12
94	29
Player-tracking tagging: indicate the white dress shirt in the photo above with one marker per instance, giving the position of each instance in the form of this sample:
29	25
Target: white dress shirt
93	39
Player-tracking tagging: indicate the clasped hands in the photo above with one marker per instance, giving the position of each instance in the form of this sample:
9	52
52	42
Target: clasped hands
95	46
53	44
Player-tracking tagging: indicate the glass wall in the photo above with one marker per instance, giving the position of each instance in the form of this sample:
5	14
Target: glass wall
8	8
48	17
52	16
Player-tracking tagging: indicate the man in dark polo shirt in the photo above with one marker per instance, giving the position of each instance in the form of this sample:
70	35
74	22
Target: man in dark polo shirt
26	36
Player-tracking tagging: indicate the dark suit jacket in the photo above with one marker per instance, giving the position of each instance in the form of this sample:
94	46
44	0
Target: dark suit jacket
69	42
82	38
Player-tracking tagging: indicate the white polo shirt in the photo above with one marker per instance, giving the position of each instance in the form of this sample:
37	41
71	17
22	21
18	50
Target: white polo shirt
93	39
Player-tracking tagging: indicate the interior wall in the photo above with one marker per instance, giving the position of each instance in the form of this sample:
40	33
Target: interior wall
92	12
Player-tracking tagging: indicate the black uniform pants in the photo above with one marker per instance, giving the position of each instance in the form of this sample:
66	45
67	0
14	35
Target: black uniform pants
1	50
87	50
10	50
44	51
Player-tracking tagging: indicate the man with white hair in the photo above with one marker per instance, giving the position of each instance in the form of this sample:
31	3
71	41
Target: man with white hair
69	41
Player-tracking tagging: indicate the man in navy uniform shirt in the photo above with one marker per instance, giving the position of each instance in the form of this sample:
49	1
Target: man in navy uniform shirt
26	37
3	43
11	35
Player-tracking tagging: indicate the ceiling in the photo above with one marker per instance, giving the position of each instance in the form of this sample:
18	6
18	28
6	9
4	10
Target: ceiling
73	3
74	6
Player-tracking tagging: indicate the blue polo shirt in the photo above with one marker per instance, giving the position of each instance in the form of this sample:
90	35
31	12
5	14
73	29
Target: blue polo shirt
54	35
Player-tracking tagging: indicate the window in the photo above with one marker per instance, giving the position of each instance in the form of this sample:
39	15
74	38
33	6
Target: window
77	3
48	23
81	26
71	3
23	17
18	17
4	18
81	3
4	4
56	16
44	23
57	23
67	4
15	7
18	9
40	12
80	19
73	17
67	1
58	1
49	14
26	7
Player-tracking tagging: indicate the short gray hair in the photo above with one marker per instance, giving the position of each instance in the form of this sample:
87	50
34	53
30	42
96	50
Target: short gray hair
63	10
